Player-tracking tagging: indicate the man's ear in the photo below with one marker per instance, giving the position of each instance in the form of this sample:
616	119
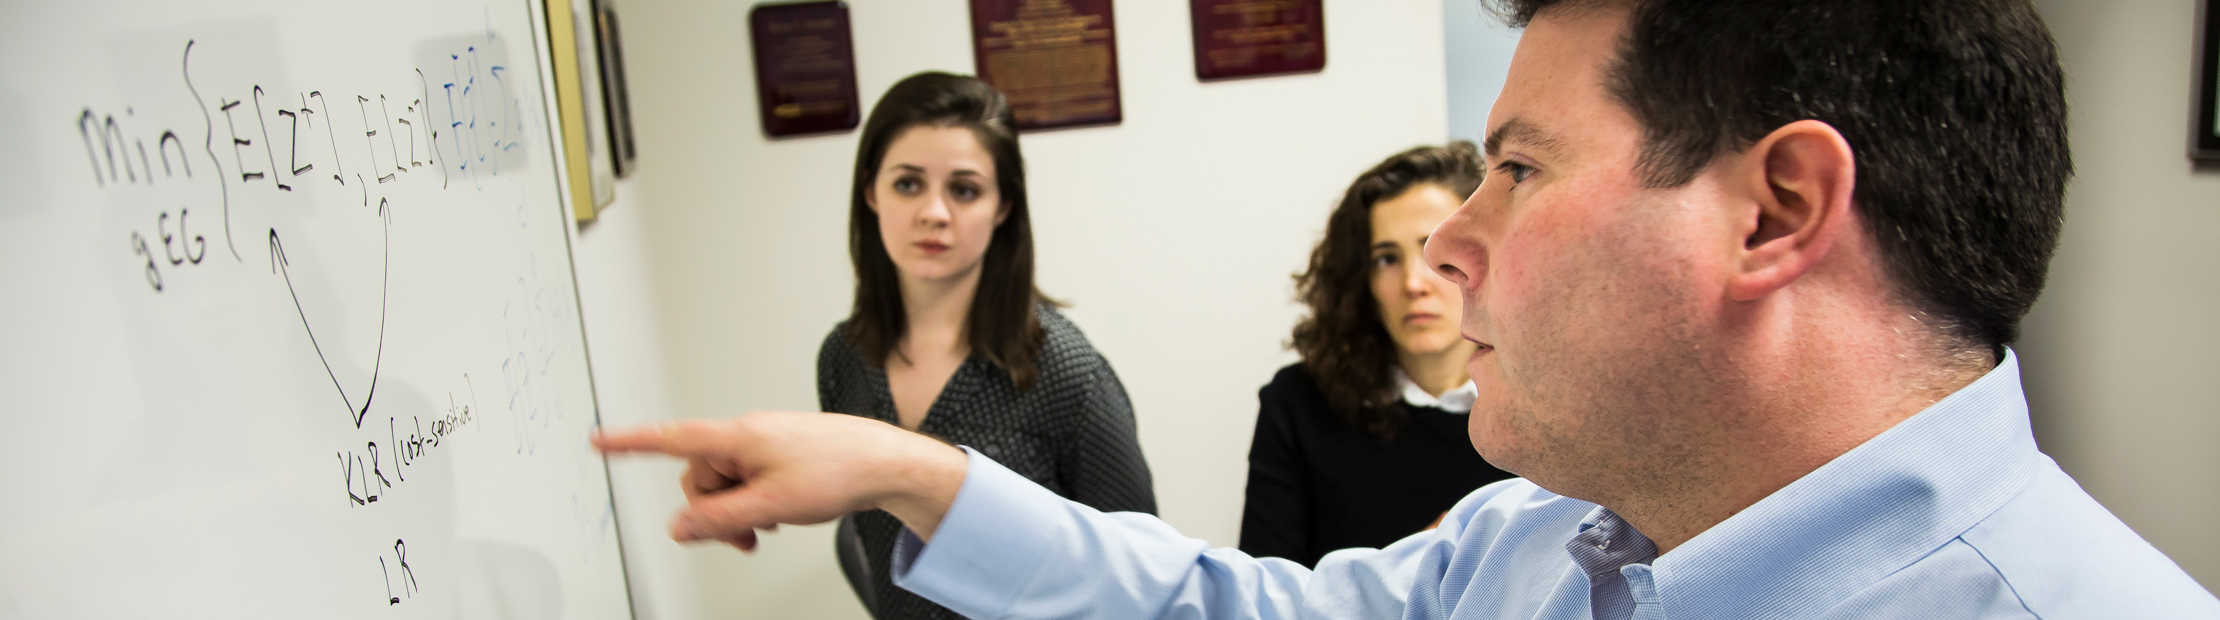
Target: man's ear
1800	179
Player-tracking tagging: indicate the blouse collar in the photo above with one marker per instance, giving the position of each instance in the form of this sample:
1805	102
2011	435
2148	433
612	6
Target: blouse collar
1457	400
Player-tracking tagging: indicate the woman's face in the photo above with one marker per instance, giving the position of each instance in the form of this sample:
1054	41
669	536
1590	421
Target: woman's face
937	203
1421	309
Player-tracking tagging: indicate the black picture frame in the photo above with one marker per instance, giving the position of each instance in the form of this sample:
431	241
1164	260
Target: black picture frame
623	153
2204	141
805	67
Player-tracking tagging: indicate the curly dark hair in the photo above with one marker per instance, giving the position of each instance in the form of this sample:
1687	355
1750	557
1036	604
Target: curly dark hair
1343	342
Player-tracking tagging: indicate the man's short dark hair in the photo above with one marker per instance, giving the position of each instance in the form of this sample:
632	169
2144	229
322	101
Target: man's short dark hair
1955	111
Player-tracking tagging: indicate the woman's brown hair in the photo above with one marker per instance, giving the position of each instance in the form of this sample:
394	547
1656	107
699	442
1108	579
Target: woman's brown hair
1343	342
1002	325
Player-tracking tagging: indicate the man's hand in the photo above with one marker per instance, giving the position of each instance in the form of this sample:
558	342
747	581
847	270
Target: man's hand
760	470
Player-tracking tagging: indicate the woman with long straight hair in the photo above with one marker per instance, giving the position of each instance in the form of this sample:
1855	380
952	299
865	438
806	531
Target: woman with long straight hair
949	335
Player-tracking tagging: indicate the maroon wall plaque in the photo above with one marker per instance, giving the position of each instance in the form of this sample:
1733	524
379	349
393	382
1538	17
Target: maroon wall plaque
1240	38
1057	60
805	67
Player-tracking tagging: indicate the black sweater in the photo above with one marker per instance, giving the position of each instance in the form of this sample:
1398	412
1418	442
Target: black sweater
1317	484
1072	432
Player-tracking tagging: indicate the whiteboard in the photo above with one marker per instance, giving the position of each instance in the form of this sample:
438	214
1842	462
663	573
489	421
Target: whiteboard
291	327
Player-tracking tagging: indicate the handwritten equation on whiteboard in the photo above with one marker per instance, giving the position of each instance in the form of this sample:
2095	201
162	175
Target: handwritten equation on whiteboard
457	124
207	195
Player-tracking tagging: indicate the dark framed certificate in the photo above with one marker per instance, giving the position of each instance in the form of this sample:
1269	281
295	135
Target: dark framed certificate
1241	38
1056	60
2205	144
805	67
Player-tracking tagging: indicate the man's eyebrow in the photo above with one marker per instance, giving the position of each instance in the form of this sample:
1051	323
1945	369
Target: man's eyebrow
1518	131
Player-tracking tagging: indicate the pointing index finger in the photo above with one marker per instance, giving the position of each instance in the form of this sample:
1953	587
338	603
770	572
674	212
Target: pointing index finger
671	438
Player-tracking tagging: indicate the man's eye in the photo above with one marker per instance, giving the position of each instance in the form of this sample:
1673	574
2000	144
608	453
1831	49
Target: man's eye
1517	171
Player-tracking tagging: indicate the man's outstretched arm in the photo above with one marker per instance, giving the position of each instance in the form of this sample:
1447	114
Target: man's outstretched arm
999	545
755	472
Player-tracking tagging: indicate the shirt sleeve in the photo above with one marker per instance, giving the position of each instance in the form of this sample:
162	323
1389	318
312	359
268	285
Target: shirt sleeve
1275	519
1101	463
1011	549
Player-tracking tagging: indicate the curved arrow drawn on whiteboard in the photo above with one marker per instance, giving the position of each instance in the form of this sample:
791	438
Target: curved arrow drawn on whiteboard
279	265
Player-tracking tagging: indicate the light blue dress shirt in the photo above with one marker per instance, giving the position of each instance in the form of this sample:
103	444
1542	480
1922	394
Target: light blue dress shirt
1951	514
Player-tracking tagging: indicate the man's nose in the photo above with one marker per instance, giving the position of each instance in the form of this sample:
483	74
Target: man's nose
1455	250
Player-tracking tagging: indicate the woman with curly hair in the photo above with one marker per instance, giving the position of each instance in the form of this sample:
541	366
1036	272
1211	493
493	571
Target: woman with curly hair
1363	442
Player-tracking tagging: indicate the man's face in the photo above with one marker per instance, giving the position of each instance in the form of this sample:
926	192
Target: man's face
1592	297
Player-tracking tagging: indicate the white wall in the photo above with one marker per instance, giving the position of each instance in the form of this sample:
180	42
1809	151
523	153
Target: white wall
626	347
2120	354
1173	234
1477	50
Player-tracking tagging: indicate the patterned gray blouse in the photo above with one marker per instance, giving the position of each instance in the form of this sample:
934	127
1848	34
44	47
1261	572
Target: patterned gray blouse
1072	432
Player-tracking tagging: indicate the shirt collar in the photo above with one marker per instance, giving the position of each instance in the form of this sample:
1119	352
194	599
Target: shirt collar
1869	512
1457	400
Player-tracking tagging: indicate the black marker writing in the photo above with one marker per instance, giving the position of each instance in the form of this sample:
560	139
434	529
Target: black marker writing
339	164
408	575
111	137
390	142
368	133
424	90
401	554
163	224
153	275
143	163
183	160
377	466
259	119
208	143
295	144
237	141
347	469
